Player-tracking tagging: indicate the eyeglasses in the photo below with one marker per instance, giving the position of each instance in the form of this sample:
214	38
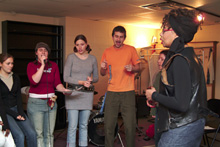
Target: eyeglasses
165	30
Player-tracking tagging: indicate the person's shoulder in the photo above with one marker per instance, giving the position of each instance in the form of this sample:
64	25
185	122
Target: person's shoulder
92	57
109	48
16	76
129	47
71	55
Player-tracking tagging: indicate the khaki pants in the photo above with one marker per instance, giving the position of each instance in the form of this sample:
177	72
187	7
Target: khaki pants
124	101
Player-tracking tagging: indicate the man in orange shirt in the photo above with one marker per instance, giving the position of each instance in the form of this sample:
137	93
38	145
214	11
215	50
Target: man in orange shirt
120	62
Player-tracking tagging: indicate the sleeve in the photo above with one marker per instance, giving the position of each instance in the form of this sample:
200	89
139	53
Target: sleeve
57	80
3	114
135	57
31	72
182	87
67	71
95	71
19	99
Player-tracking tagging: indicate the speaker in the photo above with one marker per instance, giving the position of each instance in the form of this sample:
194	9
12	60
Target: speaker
142	109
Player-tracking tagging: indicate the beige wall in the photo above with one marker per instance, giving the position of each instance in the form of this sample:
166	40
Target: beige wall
98	35
99	38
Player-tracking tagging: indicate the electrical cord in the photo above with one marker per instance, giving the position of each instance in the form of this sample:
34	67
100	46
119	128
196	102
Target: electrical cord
48	108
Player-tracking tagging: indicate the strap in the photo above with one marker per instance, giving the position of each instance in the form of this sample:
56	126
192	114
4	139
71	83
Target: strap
165	67
103	104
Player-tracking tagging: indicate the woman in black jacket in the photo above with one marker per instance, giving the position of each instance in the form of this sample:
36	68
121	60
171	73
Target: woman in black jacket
182	95
11	110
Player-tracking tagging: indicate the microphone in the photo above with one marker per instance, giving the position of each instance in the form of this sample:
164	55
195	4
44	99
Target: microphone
45	60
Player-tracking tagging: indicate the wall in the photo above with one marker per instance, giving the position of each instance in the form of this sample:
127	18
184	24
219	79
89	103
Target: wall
211	33
99	38
98	35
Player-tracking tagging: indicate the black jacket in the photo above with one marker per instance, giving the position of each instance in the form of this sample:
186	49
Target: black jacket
10	99
182	99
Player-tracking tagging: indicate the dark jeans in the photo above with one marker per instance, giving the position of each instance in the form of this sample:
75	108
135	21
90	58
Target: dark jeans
189	135
124	101
21	129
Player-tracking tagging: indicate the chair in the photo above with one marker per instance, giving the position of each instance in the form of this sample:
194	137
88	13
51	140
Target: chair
213	122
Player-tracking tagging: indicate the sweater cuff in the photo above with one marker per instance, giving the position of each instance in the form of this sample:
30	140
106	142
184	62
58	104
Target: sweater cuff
154	95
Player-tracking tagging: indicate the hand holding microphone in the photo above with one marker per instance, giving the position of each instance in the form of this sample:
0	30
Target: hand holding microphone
43	59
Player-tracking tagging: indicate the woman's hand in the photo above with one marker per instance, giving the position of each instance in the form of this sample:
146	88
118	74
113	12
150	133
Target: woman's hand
1	123
87	84
149	93
7	132
19	117
89	79
151	104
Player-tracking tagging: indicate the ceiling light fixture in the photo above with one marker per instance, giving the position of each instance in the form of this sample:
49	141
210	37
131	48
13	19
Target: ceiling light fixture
200	17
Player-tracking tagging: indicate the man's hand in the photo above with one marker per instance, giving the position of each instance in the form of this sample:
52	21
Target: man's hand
104	64
128	68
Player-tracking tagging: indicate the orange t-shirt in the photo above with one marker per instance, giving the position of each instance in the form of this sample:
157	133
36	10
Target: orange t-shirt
120	80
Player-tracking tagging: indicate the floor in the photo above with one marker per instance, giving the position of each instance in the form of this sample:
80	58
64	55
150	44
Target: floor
142	125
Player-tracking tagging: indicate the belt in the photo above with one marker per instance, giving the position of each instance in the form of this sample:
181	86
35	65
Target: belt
81	88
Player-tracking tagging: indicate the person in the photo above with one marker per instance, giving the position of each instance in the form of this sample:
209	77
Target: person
12	113
120	62
44	77
182	96
151	131
80	71
6	139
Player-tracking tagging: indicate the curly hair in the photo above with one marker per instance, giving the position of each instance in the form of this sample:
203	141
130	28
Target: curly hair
177	13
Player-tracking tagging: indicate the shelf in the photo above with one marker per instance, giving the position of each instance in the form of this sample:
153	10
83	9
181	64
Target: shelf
34	33
20	38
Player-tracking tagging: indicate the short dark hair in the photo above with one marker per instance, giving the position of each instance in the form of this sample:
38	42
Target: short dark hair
81	37
120	29
164	52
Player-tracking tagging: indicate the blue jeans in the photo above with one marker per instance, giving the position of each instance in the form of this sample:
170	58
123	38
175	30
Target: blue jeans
83	117
189	135
21	129
43	119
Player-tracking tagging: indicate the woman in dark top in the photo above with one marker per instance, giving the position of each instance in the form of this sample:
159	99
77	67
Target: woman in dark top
182	95
11	109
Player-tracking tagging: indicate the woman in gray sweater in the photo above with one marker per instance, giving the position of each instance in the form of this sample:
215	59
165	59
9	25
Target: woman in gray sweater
80	72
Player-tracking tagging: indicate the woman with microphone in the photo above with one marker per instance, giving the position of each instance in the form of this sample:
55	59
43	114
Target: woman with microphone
44	77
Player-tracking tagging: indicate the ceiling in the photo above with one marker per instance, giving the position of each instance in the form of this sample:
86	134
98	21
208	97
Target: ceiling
117	11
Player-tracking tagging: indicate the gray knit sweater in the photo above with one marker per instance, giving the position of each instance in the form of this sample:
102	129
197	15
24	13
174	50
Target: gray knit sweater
75	70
